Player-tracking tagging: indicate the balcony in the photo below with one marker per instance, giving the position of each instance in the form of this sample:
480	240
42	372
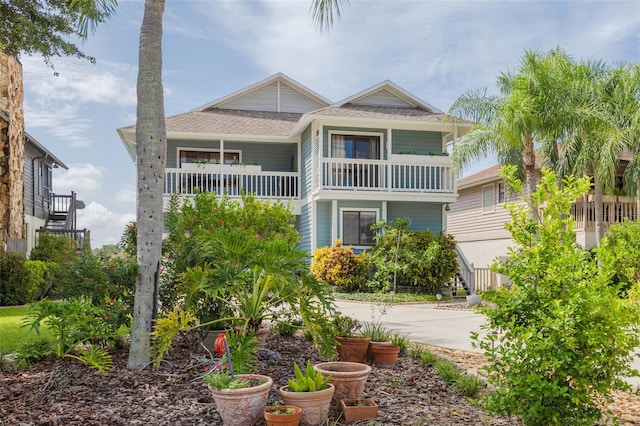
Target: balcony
614	209
434	175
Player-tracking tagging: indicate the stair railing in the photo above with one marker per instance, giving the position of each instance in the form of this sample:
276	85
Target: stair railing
466	270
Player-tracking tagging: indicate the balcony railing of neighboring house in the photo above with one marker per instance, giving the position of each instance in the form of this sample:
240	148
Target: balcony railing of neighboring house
233	181
614	209
387	175
61	220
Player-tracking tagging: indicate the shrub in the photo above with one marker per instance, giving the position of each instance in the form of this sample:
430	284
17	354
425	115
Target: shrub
564	339
420	259
13	279
620	252
340	266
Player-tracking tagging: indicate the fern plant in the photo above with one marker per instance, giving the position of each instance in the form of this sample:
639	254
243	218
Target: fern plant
309	381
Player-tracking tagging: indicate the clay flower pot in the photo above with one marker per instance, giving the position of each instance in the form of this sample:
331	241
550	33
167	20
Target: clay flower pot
385	356
282	415
315	405
352	349
373	344
349	378
243	406
359	409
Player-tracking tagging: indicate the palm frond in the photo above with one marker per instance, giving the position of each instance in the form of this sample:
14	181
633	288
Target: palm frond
325	12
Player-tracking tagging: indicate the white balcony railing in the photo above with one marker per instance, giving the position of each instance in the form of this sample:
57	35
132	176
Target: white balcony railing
383	175
233	182
614	210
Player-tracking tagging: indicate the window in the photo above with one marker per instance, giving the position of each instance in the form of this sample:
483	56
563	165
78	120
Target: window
355	146
501	194
356	227
209	157
487	199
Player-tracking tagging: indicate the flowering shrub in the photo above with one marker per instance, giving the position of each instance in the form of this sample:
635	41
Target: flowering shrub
340	266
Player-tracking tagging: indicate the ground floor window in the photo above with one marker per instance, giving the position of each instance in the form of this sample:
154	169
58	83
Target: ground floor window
356	227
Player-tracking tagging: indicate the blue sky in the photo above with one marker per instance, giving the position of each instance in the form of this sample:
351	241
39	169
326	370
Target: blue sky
434	49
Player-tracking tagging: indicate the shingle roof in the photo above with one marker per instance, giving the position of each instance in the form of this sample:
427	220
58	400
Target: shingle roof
484	176
229	122
379	112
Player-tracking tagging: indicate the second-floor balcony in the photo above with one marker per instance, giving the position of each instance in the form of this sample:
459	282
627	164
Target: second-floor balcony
433	176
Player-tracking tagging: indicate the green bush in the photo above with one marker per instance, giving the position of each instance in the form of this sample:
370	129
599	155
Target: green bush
620	252
563	339
419	259
13	280
340	266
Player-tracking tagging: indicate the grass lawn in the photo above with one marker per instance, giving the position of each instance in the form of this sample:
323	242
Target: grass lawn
12	335
389	298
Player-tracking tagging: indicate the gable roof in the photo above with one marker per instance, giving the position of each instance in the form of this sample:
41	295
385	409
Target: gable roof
387	94
302	99
485	176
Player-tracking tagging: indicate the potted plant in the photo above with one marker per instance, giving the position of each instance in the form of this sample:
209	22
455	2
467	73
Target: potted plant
240	398
385	356
310	391
358	409
349	378
282	415
378	335
351	347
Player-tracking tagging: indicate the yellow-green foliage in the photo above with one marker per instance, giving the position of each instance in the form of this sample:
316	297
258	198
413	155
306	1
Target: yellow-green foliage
340	266
166	329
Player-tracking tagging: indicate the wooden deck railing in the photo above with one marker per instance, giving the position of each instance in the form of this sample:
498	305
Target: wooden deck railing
614	209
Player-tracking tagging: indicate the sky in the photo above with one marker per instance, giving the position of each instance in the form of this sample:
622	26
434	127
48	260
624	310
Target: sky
436	50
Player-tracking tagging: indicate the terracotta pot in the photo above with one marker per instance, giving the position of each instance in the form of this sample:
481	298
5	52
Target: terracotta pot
352	349
315	405
243	406
359	409
283	419
370	349
349	378
385	356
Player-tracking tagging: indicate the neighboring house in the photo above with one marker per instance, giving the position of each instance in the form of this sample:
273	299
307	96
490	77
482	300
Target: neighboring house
27	204
477	220
377	155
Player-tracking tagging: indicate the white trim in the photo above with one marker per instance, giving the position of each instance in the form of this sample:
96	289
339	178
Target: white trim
314	221
355	209
334	221
493	199
419	197
355	133
383	215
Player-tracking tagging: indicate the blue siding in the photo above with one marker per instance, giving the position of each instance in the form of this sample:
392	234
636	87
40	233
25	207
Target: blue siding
346	130
323	225
303	225
305	173
416	141
423	215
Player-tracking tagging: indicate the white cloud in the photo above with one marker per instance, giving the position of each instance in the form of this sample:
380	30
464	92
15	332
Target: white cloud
81	178
127	194
106	226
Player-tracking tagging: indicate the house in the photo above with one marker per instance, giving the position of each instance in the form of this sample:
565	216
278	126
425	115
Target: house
478	219
379	154
28	204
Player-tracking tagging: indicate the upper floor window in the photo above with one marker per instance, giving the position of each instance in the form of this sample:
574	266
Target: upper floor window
356	227
355	146
209	157
488	198
502	197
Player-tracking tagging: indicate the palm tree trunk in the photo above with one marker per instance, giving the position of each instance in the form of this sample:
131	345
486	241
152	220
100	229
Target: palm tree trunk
151	152
529	164
597	205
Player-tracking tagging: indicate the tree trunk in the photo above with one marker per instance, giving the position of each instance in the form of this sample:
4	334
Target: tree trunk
597	205
529	164
151	147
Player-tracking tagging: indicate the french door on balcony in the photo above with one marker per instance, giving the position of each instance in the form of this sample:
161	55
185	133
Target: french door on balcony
359	173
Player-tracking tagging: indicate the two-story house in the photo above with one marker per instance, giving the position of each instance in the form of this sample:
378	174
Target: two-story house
377	155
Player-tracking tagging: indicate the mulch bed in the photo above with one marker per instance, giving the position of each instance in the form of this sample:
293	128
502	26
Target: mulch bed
174	394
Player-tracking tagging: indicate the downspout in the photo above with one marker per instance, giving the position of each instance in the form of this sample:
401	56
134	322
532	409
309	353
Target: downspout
33	181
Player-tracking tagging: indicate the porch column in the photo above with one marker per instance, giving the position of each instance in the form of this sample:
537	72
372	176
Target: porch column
334	221
222	152
383	212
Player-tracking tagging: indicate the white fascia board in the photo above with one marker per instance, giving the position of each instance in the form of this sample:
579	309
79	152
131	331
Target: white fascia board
128	138
385	123
230	137
386	196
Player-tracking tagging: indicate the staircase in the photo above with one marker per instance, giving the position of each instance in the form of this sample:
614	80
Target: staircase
464	277
61	220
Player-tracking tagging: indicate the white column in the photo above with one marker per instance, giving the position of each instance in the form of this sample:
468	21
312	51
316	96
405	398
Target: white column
334	221
383	213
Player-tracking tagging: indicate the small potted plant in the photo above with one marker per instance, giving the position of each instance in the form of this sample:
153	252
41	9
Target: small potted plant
359	409
312	392
282	415
351	347
378	335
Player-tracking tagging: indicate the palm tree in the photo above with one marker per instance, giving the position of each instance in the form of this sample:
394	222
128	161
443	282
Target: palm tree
151	146
525	113
604	124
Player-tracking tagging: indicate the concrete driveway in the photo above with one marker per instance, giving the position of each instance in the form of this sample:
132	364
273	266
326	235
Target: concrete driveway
426	323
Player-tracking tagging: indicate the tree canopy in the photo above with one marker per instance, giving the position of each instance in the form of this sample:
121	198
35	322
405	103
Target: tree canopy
46	26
